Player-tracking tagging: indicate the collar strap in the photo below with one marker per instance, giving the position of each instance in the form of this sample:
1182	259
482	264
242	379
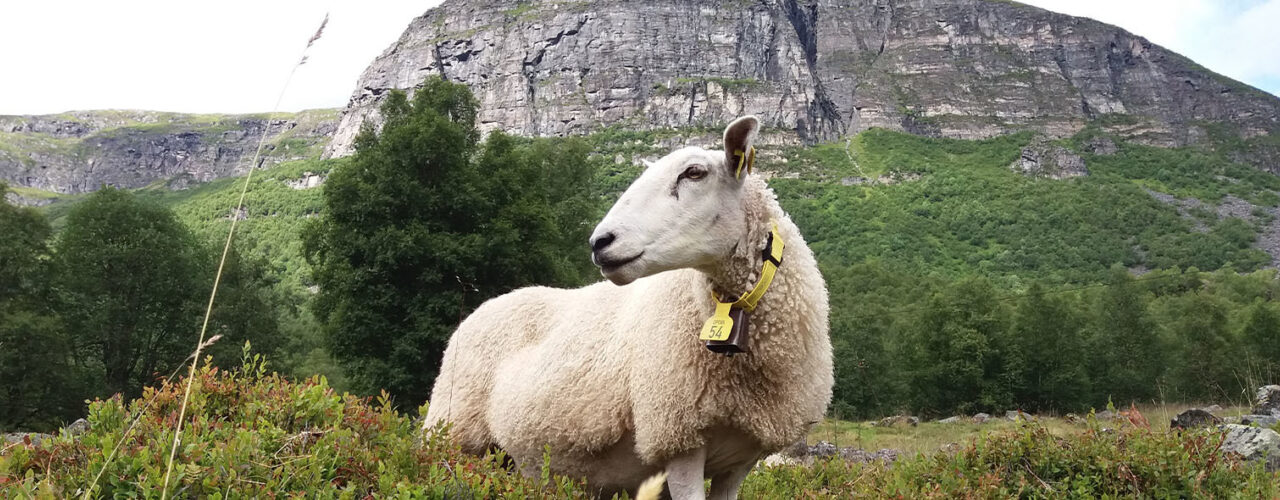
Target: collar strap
772	259
747	161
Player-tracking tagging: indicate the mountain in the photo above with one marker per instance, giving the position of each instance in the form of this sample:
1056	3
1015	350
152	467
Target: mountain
79	151
946	68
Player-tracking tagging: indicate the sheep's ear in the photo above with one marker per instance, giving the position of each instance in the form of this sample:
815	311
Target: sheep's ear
738	153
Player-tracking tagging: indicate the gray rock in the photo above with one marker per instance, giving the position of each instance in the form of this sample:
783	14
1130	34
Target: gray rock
1193	418
1254	444
823	449
34	438
78	427
949	420
1214	409
1267	400
980	418
1101	146
822	69
78	152
1044	159
1259	420
1016	415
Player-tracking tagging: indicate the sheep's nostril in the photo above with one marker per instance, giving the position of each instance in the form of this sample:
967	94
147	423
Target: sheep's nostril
601	242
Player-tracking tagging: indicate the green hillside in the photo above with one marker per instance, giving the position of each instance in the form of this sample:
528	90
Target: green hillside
900	222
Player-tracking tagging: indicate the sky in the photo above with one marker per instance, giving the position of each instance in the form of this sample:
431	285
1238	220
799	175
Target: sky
233	56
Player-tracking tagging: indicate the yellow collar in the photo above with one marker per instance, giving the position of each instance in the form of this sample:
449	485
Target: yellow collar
772	259
746	161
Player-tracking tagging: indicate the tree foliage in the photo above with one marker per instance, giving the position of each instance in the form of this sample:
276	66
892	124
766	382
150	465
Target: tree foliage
426	222
39	386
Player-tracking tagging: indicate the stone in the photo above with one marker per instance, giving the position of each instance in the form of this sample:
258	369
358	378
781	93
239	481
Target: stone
1260	420
823	69
949	420
1254	444
78	427
1193	418
1267	400
33	438
898	420
980	418
1016	415
1044	159
1214	409
823	449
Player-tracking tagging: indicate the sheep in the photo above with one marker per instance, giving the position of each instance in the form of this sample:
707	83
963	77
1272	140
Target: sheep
612	379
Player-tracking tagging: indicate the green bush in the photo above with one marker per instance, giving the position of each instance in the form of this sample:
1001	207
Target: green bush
1033	463
249	432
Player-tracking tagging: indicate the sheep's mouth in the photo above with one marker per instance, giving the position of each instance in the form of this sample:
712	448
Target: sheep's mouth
608	266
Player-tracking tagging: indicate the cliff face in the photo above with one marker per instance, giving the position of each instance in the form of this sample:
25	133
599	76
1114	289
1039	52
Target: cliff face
78	152
955	68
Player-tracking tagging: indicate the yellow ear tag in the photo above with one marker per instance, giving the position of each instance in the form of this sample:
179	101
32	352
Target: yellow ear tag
719	325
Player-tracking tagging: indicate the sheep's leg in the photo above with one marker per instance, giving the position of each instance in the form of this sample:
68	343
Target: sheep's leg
684	475
725	485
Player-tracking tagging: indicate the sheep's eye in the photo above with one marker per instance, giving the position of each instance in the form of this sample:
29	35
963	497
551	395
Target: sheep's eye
694	172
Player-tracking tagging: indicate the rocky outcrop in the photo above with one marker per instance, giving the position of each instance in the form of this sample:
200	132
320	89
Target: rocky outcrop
81	151
1253	444
1267	401
954	68
1042	158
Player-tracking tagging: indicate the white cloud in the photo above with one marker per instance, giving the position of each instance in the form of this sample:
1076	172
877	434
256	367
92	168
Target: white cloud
233	55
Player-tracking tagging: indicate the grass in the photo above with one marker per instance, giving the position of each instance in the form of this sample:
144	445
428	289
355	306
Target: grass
931	437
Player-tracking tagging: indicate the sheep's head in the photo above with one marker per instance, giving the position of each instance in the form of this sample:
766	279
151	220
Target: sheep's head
684	211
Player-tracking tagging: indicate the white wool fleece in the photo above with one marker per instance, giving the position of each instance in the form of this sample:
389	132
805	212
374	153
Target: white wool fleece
615	381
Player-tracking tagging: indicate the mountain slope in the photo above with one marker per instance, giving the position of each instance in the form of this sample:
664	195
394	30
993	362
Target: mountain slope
79	151
950	68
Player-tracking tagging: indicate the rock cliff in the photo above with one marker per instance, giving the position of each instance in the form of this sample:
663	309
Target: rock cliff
955	68
80	151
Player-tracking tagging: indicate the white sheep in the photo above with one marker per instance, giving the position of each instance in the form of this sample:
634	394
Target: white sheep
613	379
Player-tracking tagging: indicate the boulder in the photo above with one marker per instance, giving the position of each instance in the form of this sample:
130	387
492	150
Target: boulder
1260	420
949	420
1016	415
1193	418
1254	444
1268	401
823	449
980	418
1214	409
78	427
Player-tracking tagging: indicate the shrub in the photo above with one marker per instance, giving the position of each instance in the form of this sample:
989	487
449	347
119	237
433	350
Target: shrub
249	432
1033	463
